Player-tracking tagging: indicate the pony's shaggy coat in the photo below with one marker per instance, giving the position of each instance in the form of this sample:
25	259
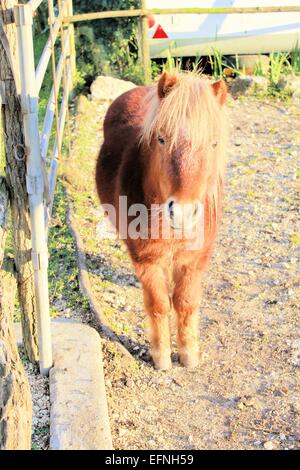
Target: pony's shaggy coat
164	141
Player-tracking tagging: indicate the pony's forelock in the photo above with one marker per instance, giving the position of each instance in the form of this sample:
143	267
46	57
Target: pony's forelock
191	105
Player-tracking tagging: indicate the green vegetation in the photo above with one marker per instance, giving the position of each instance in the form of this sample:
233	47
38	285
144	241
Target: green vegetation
259	69
295	59
217	64
109	46
278	65
295	239
63	268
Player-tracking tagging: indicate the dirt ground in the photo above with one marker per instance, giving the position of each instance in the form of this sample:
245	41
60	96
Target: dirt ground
246	392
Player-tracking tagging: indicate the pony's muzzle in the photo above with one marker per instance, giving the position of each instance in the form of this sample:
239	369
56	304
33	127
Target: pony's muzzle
182	215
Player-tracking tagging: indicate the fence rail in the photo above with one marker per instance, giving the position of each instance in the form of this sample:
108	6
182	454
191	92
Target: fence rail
34	4
46	54
177	11
50	111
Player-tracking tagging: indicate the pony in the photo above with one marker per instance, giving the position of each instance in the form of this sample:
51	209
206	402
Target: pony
165	147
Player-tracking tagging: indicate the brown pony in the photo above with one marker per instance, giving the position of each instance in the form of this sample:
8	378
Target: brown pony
165	145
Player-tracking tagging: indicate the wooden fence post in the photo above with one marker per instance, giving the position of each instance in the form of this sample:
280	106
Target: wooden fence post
144	45
16	179
15	397
72	42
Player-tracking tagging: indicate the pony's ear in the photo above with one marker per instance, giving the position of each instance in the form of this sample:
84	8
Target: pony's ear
165	84
220	91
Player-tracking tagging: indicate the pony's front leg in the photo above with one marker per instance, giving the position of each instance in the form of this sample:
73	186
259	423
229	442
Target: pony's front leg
186	299
158	306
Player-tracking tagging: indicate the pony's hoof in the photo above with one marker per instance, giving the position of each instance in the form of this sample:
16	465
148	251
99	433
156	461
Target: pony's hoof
189	360
162	363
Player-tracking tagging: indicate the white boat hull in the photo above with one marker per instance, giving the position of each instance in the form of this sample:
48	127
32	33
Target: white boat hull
197	35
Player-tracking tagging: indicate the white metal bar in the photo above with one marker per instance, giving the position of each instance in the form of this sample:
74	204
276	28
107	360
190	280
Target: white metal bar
55	86
57	147
35	181
49	116
46	55
34	4
72	41
63	111
61	8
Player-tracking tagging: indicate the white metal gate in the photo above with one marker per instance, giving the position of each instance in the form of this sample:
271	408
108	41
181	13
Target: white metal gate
40	184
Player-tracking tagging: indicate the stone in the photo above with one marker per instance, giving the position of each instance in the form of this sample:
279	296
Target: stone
250	63
296	97
249	401
290	84
269	445
109	88
248	84
79	415
122	432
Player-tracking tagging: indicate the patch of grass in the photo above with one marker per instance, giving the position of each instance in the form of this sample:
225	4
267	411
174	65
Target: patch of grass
235	67
295	59
250	195
35	446
63	269
295	239
216	63
172	64
278	65
120	328
105	284
237	285
121	255
289	199
108	312
42	431
250	171
258	68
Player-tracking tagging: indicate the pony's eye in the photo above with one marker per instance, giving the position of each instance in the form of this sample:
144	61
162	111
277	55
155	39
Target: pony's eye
161	140
214	145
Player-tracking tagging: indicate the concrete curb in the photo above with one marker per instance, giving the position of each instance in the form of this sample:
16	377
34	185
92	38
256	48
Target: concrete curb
79	415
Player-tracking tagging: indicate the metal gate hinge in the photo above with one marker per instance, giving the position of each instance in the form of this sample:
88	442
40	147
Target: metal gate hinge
39	260
36	261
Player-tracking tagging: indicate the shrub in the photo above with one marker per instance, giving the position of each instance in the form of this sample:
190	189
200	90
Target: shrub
108	46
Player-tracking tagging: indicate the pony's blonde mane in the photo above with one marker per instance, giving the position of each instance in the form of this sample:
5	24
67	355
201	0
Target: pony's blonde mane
191	105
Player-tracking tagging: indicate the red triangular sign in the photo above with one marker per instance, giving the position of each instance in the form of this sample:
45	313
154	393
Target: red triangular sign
160	33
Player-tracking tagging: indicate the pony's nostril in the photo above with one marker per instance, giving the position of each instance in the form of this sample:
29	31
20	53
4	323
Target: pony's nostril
171	208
